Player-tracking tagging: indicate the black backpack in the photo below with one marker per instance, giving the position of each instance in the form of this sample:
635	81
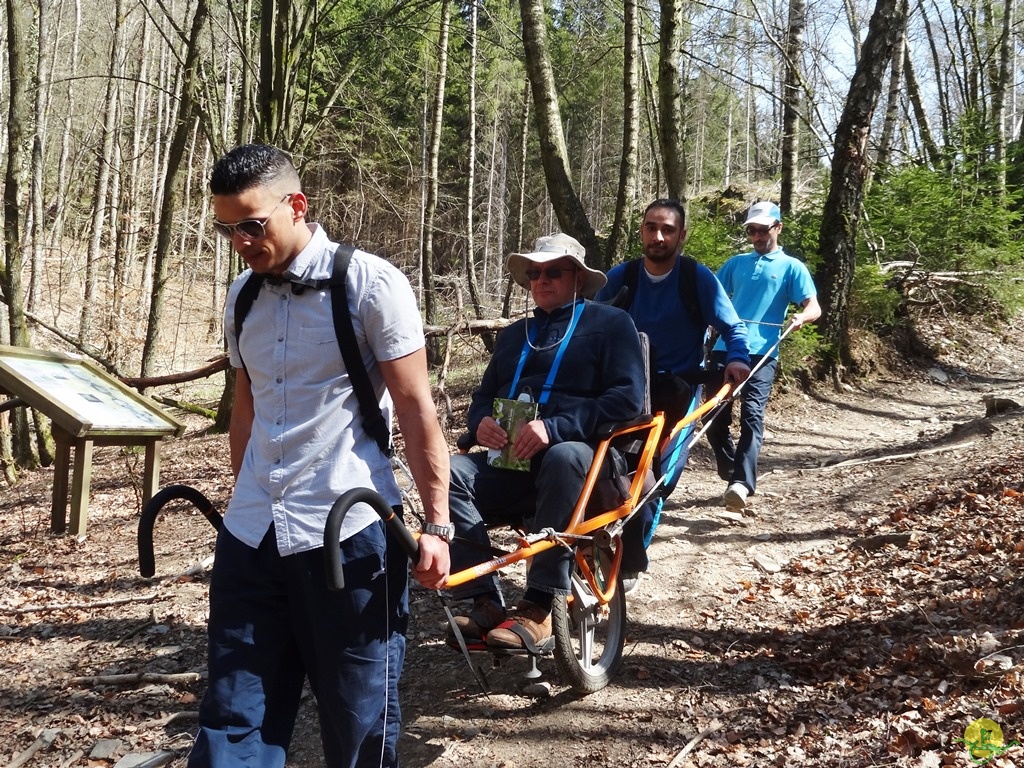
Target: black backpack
687	286
372	418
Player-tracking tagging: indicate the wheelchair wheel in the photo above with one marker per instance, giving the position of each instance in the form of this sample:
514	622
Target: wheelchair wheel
589	636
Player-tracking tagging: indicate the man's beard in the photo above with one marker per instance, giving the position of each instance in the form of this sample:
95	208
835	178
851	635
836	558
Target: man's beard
665	254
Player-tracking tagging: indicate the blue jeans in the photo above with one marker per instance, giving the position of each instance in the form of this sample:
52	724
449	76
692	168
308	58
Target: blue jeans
273	622
544	497
737	462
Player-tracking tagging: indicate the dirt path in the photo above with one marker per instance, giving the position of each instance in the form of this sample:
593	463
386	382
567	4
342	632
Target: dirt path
830	461
761	633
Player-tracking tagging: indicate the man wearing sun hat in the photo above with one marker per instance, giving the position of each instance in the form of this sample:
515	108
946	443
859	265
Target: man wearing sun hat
762	284
581	363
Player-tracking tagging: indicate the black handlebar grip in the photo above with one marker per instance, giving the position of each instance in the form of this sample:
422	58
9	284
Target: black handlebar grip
147	562
332	531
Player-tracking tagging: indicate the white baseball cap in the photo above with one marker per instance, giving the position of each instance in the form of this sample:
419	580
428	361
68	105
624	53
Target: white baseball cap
765	212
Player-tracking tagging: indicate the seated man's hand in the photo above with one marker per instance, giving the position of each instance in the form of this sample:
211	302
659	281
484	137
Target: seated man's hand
432	569
490	435
736	373
531	439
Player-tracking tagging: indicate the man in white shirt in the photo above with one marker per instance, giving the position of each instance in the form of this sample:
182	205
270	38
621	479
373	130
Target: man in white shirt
297	443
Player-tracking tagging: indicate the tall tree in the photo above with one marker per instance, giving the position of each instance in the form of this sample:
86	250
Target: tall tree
1001	86
470	263
791	98
670	98
19	152
176	155
101	181
850	166
554	157
630	130
892	107
430	302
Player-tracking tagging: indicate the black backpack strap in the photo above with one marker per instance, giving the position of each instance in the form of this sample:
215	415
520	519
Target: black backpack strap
373	420
630	280
688	289
243	303
687	285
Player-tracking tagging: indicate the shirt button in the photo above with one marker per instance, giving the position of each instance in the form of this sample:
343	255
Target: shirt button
278	422
278	379
280	338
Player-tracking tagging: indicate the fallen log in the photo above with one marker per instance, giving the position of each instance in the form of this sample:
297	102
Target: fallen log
137	678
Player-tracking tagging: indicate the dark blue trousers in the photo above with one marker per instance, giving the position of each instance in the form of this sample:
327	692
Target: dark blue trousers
737	461
273	623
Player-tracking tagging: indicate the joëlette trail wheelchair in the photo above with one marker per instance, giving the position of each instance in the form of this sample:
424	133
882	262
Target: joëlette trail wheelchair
589	625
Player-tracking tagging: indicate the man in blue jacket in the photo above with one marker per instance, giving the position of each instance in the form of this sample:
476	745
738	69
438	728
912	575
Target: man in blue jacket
581	363
762	285
674	308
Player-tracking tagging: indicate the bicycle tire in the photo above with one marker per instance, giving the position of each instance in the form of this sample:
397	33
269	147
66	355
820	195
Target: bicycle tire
589	637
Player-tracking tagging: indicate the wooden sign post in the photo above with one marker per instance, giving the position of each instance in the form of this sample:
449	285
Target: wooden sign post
88	407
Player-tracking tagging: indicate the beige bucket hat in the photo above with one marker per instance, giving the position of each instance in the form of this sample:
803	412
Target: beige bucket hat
553	248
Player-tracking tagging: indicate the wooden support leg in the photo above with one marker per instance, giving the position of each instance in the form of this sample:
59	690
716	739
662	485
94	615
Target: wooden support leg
151	476
80	486
62	467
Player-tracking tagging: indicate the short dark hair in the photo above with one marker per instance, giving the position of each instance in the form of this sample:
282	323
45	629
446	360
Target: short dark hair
670	203
251	165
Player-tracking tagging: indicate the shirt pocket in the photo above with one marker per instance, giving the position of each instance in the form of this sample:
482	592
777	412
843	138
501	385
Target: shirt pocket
317	334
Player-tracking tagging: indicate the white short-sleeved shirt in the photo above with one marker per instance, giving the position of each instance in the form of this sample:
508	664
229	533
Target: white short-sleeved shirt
308	445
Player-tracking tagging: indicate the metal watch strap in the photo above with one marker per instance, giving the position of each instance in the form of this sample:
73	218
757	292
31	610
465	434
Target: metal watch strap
446	532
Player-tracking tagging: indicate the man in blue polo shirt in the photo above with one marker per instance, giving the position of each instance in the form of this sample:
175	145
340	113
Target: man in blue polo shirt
762	284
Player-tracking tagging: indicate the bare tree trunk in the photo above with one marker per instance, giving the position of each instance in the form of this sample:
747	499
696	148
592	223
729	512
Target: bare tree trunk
1000	88
431	171
19	153
37	238
176	155
849	173
791	103
939	73
630	130
854	22
517	223
554	156
931	149
892	107
653	118
63	169
470	264
101	187
670	99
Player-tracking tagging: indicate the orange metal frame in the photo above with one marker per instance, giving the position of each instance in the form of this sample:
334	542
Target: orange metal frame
581	526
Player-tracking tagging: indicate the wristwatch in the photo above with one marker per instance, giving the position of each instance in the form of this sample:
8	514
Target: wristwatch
445	532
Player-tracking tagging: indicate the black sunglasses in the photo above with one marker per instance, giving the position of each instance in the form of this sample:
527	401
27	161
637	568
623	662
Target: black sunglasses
551	273
752	230
250	229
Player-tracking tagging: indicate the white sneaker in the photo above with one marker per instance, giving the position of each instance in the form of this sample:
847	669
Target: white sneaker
630	581
735	497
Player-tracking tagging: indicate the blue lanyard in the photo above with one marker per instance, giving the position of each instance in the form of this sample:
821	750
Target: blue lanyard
546	390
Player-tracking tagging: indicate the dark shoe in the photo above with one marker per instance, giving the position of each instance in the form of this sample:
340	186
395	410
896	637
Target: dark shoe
527	627
485	616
